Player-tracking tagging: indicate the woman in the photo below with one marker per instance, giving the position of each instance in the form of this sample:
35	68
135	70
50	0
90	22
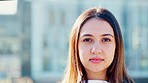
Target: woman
96	52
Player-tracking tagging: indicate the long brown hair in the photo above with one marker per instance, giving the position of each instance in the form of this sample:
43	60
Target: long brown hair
75	71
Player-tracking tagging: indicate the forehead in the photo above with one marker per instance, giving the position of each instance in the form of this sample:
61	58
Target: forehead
96	26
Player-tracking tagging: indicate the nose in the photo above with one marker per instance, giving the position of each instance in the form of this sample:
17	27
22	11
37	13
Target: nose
96	48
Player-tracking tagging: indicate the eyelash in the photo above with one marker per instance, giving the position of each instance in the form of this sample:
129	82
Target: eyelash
106	40
87	40
90	40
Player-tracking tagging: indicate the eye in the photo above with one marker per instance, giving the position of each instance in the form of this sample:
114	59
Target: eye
106	40
87	40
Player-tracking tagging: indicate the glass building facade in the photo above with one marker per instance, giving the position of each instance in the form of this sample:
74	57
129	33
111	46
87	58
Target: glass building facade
34	41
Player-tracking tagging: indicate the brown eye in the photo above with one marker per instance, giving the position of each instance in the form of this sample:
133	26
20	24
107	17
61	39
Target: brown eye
106	40
87	40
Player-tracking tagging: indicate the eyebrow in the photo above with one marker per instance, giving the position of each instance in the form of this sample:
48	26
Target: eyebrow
86	35
107	35
101	35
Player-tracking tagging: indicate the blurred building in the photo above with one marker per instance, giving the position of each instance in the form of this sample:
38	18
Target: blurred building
34	41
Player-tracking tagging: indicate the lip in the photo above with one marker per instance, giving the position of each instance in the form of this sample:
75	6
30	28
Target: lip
96	60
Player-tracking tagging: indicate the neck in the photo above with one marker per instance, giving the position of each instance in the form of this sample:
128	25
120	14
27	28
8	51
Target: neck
97	75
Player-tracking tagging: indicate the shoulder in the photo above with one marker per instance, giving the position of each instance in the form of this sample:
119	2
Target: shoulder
131	81
95	81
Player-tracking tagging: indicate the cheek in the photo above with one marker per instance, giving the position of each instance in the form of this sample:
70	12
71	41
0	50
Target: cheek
110	49
83	52
110	53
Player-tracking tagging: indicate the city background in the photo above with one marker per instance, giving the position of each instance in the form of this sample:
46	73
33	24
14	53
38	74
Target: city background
34	37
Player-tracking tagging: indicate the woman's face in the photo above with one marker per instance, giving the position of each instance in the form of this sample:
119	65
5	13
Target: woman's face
96	46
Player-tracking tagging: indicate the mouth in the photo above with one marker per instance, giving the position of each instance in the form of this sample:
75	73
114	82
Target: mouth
96	60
